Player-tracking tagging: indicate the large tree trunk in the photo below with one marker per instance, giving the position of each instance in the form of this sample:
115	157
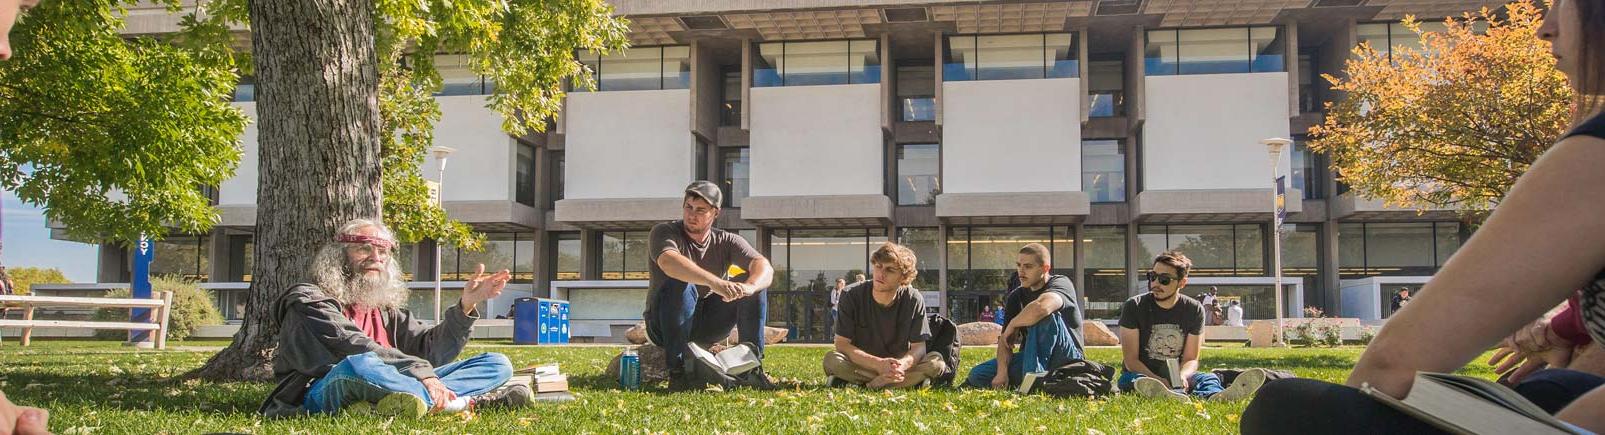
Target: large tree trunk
318	135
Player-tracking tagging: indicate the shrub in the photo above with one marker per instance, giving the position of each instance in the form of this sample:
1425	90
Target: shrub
1366	334
192	308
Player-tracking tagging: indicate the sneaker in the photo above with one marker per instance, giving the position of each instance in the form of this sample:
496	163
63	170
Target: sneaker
1154	388
1243	386
402	405
358	408
835	382
507	397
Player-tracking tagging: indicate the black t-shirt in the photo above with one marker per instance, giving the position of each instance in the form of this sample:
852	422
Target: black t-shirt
1161	333
715	255
882	331
1071	312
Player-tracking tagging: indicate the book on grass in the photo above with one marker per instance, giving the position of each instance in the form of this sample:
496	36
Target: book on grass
541	383
1030	380
543	369
1467	405
732	361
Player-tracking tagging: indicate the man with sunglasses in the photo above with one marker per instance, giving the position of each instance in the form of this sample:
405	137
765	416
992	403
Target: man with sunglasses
694	295
1164	324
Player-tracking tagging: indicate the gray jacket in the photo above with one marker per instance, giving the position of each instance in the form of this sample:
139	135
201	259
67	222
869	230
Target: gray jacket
314	335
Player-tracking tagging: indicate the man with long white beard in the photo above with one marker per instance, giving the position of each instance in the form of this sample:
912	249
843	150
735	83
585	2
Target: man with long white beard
345	343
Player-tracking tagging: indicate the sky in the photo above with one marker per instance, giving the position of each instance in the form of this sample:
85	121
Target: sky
28	243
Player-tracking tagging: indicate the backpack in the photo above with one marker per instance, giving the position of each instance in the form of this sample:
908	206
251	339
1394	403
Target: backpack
945	341
1079	378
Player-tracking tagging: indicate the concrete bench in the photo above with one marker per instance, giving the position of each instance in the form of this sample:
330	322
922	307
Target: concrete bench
160	305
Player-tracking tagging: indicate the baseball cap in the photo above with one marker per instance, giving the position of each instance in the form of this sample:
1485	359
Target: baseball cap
707	191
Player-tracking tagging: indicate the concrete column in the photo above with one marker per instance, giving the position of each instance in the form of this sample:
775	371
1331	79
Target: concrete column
1080	258
1134	262
590	254
423	261
1328	258
1290	59
941	229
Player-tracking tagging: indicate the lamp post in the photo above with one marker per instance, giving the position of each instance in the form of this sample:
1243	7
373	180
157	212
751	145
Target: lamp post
1274	146
440	153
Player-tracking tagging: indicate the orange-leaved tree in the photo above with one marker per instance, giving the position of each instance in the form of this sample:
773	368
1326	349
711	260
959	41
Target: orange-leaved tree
1450	124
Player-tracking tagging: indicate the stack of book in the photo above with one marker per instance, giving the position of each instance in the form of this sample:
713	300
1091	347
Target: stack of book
549	384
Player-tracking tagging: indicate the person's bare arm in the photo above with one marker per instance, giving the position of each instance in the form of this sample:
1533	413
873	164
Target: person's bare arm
1587	412
860	357
1005	352
1543	241
1034	312
759	276
1129	357
679	267
916	352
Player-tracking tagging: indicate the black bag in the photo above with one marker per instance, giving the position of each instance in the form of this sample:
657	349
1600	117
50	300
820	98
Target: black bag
1079	378
945	341
755	378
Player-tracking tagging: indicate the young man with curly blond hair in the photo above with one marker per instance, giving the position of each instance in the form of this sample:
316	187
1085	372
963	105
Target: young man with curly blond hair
881	328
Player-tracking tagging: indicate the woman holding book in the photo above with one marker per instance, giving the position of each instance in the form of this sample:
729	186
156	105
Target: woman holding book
1546	239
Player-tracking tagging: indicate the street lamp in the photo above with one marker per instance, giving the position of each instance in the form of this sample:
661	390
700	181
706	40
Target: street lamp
440	153
1275	146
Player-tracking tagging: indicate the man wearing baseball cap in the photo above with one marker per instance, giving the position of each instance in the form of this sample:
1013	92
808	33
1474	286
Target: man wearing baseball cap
704	282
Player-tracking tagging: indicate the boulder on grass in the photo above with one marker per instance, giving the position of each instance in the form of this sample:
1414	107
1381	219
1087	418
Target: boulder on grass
637	335
1262	333
1097	334
653	367
979	333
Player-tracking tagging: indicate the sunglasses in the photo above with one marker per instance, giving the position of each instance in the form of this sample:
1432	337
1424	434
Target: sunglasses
1162	278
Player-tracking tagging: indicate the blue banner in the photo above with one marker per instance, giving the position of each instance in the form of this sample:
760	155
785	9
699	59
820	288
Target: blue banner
144	252
1281	201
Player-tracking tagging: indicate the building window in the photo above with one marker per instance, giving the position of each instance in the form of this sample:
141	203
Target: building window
246	90
186	258
1103	169
807	264
1215	51
524	181
569	256
1383	37
557	178
981	263
640	68
817	63
457	79
1301	261
737	172
1309	94
919	173
624	255
1106	85
500	251
916	90
1011	57
1395	248
1216	250
1307	173
927	246
730	107
1105	279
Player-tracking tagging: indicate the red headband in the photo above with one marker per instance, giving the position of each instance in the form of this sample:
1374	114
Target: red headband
371	240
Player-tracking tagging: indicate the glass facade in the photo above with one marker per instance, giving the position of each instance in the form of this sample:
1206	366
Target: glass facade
501	251
1011	57
916	90
814	63
981	263
927	246
524	178
567	250
807	264
182	257
1106	85
736	169
730	90
1103	169
1104	276
456	78
1395	248
624	255
1308	174
1215	51
919	173
1216	250
640	68
1385	37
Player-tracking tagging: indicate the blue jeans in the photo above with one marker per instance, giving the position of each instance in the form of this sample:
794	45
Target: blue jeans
678	317
1203	384
1047	345
365	378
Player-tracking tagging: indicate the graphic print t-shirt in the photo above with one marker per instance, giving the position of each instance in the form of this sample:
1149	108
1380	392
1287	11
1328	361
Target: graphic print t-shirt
1161	333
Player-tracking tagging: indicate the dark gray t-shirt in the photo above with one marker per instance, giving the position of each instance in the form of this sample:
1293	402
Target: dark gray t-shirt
1161	333
721	250
882	331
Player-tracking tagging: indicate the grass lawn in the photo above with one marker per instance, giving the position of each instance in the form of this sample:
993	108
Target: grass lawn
102	387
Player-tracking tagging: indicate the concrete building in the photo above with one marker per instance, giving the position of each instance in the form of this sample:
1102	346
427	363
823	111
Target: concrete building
1110	130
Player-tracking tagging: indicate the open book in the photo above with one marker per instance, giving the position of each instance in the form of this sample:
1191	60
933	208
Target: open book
1029	381
1467	405
733	361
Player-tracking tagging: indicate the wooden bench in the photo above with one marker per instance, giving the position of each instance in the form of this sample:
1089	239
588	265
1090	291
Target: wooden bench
160	305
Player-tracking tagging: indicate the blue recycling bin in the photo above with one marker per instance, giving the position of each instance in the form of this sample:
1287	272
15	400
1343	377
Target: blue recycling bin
546	321
526	321
562	322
